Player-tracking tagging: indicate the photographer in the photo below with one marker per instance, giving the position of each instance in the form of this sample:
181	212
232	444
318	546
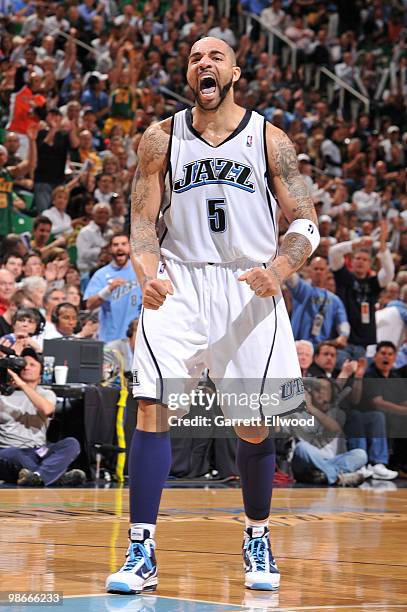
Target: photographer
318	456
25	455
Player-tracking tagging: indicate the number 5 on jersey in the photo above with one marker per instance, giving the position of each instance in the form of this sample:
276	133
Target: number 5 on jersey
217	214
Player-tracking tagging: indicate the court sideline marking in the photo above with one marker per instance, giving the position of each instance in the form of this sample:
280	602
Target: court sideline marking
245	607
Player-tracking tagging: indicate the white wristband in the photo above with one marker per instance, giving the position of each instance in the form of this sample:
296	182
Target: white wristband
105	293
306	228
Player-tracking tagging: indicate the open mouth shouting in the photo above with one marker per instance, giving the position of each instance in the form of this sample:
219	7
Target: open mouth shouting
207	86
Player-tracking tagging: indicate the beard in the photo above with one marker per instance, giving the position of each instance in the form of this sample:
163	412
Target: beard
222	95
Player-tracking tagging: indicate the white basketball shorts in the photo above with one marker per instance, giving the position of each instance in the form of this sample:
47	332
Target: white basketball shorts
215	321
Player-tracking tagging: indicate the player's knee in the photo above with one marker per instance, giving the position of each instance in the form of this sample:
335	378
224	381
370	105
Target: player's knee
254	435
152	417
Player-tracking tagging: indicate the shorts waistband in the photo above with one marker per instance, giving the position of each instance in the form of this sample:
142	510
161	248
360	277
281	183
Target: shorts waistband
238	263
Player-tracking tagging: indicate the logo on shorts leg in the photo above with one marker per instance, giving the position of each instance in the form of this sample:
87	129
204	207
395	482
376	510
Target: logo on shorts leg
136	382
291	388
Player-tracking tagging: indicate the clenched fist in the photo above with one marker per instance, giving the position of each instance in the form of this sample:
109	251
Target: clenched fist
155	291
263	281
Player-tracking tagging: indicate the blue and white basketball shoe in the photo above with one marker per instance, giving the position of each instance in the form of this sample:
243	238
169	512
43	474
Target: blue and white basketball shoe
139	573
261	571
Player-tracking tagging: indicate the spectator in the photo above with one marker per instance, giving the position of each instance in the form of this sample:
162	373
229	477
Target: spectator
324	365
7	176
300	35
52	299
391	318
36	287
104	190
367	202
12	144
223	32
118	213
25	455
53	145
331	152
383	395
359	290
65	319
33	265
73	277
274	16
19	299
366	424
7	288
89	325
73	295
13	262
92	238
41	234
318	457
305	352
61	222
317	313
27	107
87	153
346	70
115	290
57	22
125	346
95	97
26	323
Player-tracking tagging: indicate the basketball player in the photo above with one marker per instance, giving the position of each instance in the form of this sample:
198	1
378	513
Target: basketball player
211	289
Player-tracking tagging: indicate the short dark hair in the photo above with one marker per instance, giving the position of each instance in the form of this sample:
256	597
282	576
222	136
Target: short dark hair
321	345
12	254
41	220
65	305
118	235
33	253
54	111
385	344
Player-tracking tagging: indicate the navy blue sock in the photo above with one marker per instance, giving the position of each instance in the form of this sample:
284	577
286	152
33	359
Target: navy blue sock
256	464
149	466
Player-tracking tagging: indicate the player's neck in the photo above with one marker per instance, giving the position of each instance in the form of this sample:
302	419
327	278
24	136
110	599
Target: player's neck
225	118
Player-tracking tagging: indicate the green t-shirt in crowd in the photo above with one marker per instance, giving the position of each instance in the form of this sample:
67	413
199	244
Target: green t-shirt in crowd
6	201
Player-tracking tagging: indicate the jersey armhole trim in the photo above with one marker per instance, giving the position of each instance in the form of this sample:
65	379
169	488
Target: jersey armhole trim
170	177
169	151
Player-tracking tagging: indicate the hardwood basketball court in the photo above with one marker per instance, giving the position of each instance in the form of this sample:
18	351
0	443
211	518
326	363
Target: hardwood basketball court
337	549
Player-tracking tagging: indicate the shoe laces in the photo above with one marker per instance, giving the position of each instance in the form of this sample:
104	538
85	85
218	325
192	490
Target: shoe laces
137	552
257	549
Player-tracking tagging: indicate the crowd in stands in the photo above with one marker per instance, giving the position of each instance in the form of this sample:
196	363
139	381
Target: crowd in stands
79	84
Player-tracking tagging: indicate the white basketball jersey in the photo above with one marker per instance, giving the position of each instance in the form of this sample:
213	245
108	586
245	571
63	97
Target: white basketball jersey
218	207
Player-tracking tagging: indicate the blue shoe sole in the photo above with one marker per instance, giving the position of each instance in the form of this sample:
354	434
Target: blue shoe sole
262	586
123	589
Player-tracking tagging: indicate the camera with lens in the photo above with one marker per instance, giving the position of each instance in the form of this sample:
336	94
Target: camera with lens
13	362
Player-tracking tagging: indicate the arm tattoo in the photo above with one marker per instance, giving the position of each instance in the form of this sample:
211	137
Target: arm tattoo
152	152
275	272
144	238
285	167
296	248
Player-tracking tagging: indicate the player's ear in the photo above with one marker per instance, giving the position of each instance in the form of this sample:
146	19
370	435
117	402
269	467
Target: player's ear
236	73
